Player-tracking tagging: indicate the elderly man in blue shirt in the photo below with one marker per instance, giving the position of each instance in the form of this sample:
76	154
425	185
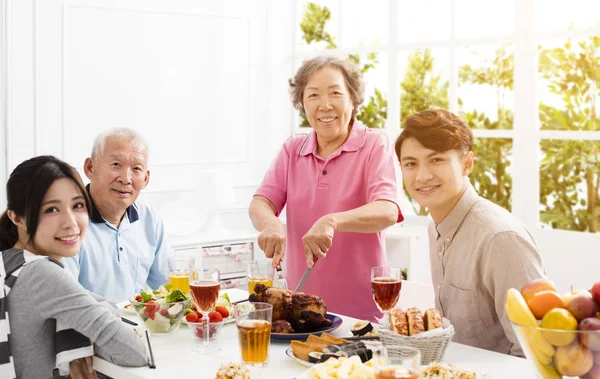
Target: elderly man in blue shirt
125	247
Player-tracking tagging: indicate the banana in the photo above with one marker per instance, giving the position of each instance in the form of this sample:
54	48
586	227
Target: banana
519	313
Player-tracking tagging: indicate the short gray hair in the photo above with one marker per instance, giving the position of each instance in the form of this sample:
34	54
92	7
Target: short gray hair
127	133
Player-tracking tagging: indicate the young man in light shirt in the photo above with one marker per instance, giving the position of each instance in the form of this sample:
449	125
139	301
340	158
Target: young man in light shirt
478	250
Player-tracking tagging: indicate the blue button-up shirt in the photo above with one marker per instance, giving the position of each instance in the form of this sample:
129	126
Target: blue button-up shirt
116	263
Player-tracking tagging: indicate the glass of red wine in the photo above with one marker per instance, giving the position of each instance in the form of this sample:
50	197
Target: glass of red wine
386	283
204	287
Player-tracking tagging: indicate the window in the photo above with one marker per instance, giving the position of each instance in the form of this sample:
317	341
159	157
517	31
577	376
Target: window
462	56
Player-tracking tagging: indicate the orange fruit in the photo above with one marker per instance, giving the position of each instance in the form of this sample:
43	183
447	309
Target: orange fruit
563	324
541	302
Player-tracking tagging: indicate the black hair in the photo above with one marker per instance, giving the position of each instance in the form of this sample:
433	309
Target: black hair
25	191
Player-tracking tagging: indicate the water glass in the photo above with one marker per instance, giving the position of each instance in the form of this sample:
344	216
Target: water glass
397	362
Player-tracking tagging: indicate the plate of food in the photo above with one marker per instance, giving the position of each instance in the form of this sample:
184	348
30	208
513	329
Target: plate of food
296	315
353	367
291	336
318	349
346	367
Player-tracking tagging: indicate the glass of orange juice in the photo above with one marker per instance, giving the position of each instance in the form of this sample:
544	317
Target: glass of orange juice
179	274
253	322
397	362
259	272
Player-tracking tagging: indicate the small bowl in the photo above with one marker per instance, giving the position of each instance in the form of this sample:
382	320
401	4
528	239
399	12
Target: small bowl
162	317
555	353
196	328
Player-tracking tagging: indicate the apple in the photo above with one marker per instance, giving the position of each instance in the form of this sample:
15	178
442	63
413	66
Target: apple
568	296
536	286
573	360
594	373
581	306
590	340
596	292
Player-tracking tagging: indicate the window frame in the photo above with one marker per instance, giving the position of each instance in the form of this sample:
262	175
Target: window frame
525	134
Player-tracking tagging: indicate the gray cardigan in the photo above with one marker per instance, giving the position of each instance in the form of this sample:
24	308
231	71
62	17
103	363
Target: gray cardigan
44	293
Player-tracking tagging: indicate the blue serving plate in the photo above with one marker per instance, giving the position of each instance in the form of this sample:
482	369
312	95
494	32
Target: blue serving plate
303	336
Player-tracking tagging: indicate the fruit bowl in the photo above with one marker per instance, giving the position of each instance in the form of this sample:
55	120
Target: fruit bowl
196	328
558	353
160	316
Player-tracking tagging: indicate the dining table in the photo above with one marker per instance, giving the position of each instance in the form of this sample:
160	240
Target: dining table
174	358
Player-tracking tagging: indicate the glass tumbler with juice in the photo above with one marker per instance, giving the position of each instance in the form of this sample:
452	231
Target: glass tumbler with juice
179	274
253	322
259	272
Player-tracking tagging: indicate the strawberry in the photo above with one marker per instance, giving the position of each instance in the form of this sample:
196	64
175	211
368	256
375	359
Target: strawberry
191	317
222	310
152	306
215	316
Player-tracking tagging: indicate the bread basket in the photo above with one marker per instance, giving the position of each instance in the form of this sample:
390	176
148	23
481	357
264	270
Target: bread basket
432	348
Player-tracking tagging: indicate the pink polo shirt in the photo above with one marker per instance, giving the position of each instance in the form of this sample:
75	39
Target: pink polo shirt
361	171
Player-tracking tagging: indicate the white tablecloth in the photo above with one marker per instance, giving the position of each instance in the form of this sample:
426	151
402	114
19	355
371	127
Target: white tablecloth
174	358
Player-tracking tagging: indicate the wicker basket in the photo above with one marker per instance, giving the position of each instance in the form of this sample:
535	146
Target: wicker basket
432	348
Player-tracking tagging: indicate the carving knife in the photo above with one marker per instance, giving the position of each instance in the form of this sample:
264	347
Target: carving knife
305	276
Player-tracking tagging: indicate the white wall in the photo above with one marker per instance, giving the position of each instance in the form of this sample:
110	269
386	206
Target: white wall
204	82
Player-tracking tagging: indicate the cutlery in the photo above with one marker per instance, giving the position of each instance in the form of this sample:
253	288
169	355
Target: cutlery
151	363
128	321
280	281
360	338
305	276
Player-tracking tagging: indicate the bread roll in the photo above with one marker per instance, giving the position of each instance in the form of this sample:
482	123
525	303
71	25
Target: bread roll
433	319
398	321
415	321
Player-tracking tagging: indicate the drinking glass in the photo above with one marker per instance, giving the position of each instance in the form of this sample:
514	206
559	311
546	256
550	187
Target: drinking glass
204	286
386	283
259	272
397	362
179	274
253	322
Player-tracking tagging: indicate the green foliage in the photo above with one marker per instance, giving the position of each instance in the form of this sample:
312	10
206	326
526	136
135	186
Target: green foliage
570	170
421	88
313	25
497	73
373	113
490	175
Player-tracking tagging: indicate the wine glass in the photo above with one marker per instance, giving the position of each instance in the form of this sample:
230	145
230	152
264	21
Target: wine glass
204	286
386	283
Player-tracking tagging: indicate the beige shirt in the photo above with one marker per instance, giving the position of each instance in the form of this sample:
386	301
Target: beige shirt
477	253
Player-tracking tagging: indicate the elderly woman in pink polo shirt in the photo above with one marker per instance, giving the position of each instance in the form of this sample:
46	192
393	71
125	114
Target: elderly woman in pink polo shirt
338	184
